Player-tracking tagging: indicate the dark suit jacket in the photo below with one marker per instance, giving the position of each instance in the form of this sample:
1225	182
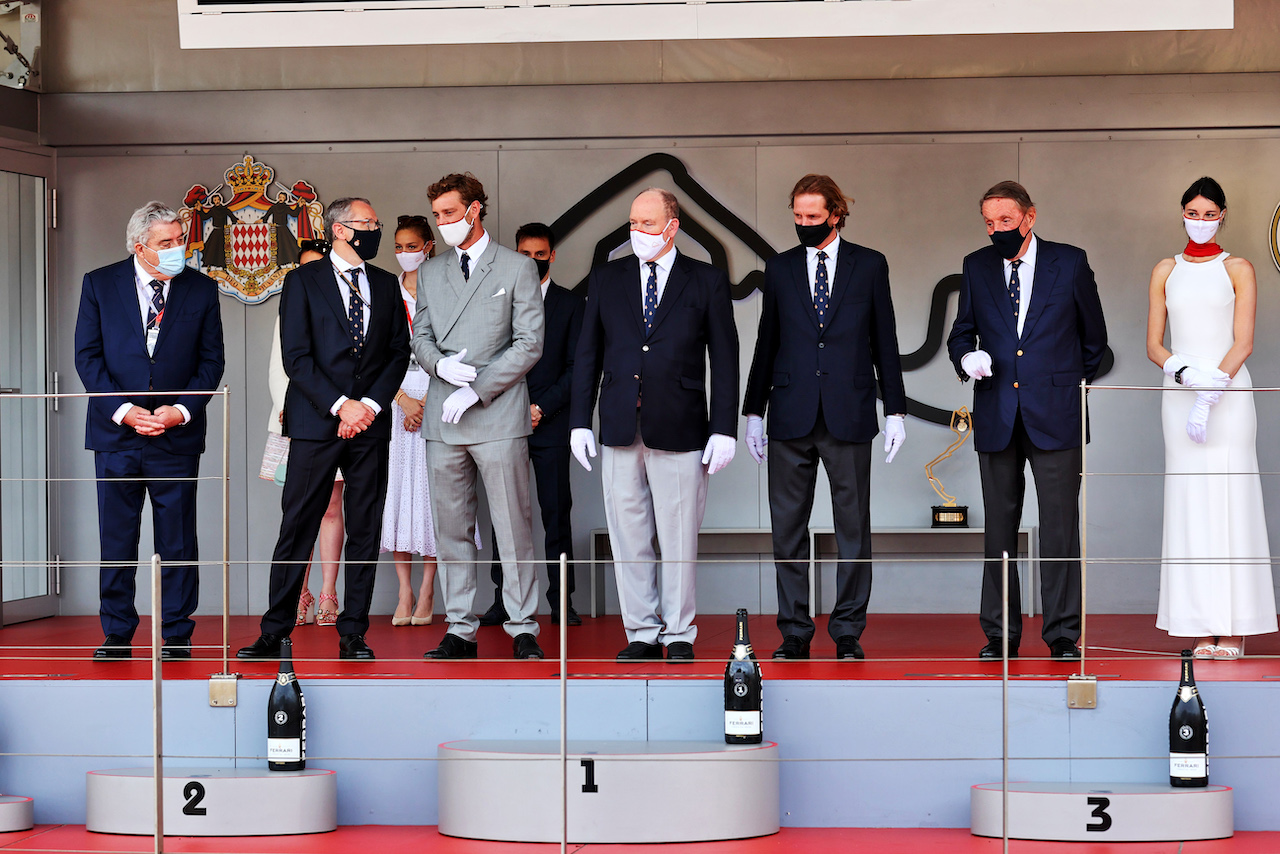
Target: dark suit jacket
111	355
694	321
550	380
316	348
799	367
1063	341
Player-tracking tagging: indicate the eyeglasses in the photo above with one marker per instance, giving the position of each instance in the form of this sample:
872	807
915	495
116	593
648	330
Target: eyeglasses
371	223
1209	217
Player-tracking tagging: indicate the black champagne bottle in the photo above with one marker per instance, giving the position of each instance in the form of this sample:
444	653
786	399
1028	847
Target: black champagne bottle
286	717
1188	733
743	691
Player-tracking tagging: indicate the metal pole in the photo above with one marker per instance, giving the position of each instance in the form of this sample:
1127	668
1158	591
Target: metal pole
157	704
564	703
1084	515
1004	699
226	528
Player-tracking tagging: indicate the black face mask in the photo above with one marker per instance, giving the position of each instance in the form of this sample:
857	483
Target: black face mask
813	235
366	243
1008	243
544	265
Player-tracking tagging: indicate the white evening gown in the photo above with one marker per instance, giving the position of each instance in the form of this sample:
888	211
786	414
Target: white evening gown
1215	573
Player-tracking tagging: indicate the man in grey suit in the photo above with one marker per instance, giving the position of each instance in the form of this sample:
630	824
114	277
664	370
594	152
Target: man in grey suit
479	329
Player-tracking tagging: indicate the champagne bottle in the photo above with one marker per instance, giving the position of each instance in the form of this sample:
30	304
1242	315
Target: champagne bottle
1188	733
286	717
743	691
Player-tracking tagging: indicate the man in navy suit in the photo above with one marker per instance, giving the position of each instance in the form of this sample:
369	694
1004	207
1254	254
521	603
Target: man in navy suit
549	384
827	336
148	324
344	339
653	320
1028	329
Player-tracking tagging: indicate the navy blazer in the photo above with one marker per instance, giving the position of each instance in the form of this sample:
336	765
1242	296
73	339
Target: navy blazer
315	344
800	368
550	380
668	367
1064	338
111	355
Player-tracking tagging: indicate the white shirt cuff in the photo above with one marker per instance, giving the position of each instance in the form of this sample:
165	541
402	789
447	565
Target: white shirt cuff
186	415
372	404
333	410
120	413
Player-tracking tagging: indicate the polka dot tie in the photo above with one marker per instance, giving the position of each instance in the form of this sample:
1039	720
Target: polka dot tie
355	313
650	296
821	290
1015	288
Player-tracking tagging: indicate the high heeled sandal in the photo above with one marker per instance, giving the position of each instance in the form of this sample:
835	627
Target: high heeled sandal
306	609
1228	652
327	616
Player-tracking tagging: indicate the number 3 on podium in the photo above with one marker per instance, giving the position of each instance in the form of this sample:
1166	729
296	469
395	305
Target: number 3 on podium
1100	813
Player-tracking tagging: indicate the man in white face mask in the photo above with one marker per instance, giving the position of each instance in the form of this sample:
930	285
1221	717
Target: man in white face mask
653	320
148	323
479	329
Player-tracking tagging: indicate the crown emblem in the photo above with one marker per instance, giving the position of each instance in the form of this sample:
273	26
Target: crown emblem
250	176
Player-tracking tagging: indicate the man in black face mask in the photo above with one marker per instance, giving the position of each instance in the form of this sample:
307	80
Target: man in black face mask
827	337
1028	328
549	383
344	339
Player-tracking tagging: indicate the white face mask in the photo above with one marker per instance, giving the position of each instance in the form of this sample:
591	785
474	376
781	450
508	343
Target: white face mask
410	261
1201	230
454	233
648	246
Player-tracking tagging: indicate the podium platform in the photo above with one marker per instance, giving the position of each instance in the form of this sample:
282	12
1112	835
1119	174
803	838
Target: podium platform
1104	812
213	802
618	791
16	813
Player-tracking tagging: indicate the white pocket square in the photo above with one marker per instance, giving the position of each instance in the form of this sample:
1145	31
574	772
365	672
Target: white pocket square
500	292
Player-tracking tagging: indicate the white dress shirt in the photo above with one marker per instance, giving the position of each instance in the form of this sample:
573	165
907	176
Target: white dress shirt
663	270
1026	278
343	267
142	282
811	258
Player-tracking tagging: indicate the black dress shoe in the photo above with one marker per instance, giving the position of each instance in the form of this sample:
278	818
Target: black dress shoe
792	647
525	646
574	619
113	646
1064	649
847	647
353	646
993	649
452	647
639	650
266	646
176	648
495	616
679	651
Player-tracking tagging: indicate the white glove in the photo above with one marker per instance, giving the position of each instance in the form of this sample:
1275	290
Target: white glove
457	403
1197	378
453	370
1198	420
976	364
719	452
756	439
895	434
583	444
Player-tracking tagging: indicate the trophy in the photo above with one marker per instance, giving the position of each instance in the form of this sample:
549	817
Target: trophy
948	515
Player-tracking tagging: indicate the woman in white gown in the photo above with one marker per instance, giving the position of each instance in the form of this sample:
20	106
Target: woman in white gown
1215	574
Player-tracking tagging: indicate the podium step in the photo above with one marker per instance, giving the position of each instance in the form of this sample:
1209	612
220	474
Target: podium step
213	802
618	791
1103	812
15	813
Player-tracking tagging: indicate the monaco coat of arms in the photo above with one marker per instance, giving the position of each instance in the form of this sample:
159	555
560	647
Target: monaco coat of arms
246	231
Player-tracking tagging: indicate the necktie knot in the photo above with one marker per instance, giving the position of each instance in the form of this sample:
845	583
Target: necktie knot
1016	263
822	256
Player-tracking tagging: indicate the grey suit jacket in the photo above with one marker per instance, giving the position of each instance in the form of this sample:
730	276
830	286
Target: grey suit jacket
497	317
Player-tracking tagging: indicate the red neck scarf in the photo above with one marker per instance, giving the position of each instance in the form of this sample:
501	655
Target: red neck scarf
1201	250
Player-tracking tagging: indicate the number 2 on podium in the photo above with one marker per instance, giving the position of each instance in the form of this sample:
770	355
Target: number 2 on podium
194	793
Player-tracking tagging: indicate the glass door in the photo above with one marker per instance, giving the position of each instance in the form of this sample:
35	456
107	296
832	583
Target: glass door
26	575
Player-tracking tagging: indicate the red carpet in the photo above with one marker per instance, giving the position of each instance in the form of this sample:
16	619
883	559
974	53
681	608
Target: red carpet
898	646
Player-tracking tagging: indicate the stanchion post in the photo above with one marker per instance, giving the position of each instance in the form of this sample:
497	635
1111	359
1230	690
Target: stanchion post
157	703
226	528
564	703
1084	517
1004	699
